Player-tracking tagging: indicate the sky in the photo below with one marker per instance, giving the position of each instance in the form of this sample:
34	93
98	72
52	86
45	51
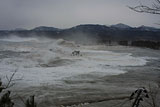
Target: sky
68	13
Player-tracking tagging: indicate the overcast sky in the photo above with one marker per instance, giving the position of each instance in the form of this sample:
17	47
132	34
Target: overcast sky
67	13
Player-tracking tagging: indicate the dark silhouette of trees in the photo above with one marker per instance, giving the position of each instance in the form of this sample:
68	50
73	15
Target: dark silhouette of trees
5	96
141	43
30	102
5	99
124	43
147	44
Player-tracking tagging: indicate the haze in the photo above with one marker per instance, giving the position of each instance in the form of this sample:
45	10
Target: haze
67	13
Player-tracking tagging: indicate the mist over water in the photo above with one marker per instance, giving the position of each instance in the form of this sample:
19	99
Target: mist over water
18	39
83	38
39	54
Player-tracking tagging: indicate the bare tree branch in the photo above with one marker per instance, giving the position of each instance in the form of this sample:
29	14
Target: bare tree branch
153	9
10	80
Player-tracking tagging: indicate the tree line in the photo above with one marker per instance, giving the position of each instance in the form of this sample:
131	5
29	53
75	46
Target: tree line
141	43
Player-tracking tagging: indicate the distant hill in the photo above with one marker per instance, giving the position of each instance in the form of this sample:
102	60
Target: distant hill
121	26
19	29
147	28
44	28
94	32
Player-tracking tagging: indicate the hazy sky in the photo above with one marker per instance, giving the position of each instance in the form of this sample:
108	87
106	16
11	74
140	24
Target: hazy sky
67	13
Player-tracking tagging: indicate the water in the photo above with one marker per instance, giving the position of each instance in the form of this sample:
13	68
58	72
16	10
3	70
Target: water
48	70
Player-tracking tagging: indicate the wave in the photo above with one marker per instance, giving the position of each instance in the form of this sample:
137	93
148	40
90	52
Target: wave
18	39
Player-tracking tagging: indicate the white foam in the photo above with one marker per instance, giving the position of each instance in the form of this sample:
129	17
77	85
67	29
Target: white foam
91	61
14	38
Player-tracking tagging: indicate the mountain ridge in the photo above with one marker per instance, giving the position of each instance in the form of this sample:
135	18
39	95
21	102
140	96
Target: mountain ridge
120	26
96	32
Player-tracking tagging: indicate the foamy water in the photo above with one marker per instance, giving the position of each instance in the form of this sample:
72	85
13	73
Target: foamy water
18	39
51	62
